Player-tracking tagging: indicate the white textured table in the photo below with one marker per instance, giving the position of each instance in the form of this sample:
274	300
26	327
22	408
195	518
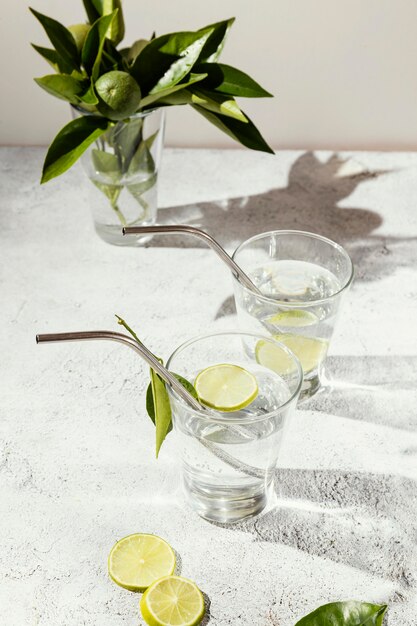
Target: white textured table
76	465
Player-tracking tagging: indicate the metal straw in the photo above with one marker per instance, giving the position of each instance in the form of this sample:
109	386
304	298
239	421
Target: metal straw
201	234
165	374
146	354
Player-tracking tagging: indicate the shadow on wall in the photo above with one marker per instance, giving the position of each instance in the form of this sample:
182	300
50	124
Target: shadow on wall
309	202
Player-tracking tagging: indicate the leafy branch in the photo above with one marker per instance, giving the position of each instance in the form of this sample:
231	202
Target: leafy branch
110	84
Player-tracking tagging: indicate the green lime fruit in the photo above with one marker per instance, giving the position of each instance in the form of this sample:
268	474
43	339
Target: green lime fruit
136	561
79	32
226	387
172	601
119	95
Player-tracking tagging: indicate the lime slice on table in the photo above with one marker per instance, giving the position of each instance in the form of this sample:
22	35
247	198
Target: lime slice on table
172	601
226	387
293	318
309	351
136	561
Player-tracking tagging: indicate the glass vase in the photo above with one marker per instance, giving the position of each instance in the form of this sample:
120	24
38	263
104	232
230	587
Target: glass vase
123	166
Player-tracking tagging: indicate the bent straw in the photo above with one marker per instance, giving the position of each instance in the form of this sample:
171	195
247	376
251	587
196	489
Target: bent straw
164	374
201	234
142	350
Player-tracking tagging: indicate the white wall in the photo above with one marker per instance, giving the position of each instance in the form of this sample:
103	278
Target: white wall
344	73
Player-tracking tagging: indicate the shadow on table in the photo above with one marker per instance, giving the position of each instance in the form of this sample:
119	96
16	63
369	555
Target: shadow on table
373	532
309	202
377	389
362	519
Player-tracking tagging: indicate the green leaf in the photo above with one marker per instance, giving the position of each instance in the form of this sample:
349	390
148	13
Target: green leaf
245	133
53	58
62	86
91	11
351	613
135	49
158	406
126	137
89	96
70	143
98	8
215	43
157	399
217	103
93	45
229	80
193	78
166	60
106	163
162	410
61	39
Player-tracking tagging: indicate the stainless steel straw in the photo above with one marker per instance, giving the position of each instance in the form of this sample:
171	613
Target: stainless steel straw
146	354
166	375
201	234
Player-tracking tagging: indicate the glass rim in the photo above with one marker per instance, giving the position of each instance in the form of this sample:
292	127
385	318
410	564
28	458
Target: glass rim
303	233
210	414
136	115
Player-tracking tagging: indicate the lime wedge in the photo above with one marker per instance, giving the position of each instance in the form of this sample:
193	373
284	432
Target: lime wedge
226	387
309	350
293	318
136	561
172	601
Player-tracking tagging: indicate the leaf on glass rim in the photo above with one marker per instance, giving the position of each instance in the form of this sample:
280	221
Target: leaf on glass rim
157	399
62	86
166	60
60	37
229	80
93	45
215	43
151	98
245	133
158	406
350	613
70	143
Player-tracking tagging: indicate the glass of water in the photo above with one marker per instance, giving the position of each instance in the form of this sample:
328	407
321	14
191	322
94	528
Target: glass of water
228	458
302	277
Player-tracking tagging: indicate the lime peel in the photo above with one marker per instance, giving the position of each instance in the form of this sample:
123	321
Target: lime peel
172	601
226	387
137	560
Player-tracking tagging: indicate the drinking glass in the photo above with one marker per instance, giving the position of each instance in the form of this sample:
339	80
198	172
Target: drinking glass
228	458
302	277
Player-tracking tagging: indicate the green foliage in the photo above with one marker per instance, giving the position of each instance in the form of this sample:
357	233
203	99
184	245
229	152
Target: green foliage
157	400
70	143
166	69
350	613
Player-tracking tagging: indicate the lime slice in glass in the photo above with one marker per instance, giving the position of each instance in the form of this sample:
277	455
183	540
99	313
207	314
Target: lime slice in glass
226	387
293	318
172	601
309	350
274	357
136	561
